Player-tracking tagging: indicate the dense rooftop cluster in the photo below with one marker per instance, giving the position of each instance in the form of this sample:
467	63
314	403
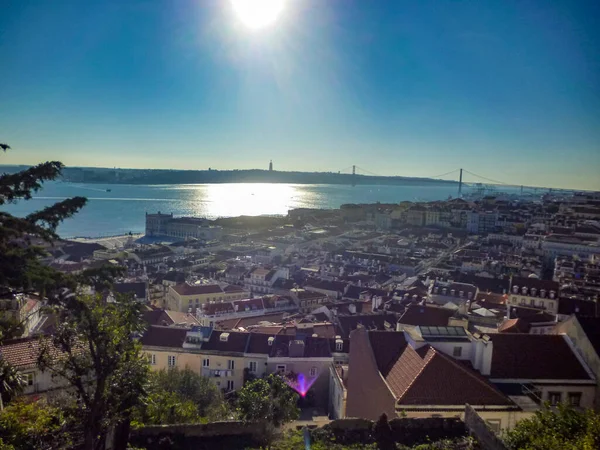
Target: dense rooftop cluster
411	308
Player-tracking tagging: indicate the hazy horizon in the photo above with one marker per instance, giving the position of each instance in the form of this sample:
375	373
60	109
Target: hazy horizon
508	90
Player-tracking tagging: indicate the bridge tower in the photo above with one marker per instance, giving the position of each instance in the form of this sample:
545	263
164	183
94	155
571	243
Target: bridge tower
460	183
353	175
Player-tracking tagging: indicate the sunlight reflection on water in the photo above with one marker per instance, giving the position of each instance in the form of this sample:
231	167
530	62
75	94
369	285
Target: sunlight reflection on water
119	208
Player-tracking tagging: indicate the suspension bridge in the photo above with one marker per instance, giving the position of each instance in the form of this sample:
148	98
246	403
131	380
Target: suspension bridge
463	177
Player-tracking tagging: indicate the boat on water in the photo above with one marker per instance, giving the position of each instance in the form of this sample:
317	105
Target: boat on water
108	190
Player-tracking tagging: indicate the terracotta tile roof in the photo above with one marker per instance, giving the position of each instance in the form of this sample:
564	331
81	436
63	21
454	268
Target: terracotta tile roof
250	304
426	315
535	357
23	353
214	308
159	336
187	289
236	341
387	346
443	381
428	377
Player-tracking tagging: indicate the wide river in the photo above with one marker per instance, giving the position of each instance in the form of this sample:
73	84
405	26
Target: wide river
118	208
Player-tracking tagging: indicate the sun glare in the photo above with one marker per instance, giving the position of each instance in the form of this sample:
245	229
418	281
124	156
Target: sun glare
257	14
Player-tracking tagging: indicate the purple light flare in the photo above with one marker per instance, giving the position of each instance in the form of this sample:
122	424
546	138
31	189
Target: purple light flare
301	385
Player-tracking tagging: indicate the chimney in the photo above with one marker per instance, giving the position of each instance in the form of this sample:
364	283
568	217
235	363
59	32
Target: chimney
482	354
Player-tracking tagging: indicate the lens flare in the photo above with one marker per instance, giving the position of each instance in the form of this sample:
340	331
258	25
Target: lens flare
301	385
257	13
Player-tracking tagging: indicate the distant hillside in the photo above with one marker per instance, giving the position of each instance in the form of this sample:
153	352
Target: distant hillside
156	176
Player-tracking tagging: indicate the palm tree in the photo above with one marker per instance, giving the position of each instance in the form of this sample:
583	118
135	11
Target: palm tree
11	381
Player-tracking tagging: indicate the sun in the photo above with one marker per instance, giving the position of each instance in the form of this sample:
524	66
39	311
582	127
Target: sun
257	14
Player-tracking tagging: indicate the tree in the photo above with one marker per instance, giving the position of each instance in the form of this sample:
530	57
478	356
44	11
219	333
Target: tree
555	429
383	434
20	268
94	350
191	387
26	425
11	382
164	408
268	400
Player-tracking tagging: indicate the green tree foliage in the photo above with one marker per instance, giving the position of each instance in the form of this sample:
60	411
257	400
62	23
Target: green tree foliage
165	408
556	429
20	268
94	350
268	400
11	382
181	396
33	425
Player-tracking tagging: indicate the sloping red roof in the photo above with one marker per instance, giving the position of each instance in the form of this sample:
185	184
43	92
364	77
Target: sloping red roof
200	289
534	357
22	353
428	377
443	381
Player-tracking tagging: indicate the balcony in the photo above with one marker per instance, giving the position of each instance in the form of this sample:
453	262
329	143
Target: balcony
214	373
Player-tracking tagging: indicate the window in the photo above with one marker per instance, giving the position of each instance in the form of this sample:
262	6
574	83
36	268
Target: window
280	367
554	398
252	366
457	352
494	424
230	364
171	361
230	385
206	362
313	372
339	345
532	302
28	378
514	299
153	359
574	398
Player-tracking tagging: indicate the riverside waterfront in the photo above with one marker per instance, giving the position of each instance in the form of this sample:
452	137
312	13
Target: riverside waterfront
116	209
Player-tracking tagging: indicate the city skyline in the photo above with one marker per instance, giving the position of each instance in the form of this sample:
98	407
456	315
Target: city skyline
401	88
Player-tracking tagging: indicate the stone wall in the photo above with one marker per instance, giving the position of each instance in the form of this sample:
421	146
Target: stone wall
215	435
404	430
477	427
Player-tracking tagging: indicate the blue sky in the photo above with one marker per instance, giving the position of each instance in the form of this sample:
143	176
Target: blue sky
509	89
